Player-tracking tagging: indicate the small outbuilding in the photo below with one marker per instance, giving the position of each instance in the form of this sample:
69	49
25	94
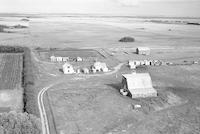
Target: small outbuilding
85	71
100	66
78	59
143	50
59	59
132	64
68	68
53	59
78	71
138	85
65	59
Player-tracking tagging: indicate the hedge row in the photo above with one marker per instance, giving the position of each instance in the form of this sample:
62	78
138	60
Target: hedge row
30	94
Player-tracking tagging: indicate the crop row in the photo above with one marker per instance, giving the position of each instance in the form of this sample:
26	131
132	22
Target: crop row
11	71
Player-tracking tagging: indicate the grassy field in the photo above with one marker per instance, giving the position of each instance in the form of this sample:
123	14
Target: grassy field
93	104
11	71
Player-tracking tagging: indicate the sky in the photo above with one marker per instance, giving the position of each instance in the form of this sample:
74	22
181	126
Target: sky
186	8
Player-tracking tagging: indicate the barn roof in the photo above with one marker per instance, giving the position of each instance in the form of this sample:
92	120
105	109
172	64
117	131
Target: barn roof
138	81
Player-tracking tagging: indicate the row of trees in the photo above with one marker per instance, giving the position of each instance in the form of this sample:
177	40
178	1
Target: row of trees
11	49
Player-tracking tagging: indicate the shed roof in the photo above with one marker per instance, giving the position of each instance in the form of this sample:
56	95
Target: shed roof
143	48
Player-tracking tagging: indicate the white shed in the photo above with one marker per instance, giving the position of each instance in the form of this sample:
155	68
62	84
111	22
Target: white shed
68	68
143	50
85	71
132	64
139	85
53	59
59	59
78	59
65	59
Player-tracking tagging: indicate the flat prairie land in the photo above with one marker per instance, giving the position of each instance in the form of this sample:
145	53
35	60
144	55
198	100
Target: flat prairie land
92	104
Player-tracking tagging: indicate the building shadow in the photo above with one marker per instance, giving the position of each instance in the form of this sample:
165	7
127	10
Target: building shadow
117	87
61	70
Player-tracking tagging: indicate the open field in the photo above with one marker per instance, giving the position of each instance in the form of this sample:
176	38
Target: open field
75	32
11	92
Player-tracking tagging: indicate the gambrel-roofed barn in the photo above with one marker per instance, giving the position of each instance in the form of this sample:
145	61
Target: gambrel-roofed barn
139	85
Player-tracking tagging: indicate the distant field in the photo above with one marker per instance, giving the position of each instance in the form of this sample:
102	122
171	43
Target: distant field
76	53
10	71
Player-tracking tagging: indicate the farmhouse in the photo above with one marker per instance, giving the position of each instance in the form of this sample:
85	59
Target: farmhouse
100	66
138	85
68	68
143	50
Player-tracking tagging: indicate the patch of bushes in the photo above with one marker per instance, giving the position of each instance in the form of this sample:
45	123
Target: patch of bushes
19	123
127	39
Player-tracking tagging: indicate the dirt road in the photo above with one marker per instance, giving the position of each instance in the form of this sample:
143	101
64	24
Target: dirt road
43	116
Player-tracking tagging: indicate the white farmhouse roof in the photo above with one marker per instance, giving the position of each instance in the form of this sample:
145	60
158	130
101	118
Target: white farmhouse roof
67	65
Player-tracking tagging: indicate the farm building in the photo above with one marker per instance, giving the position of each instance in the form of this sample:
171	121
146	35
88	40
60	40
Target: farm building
78	59
100	66
143	50
78	71
132	64
139	85
53	59
146	62
65	59
59	59
85	71
68	68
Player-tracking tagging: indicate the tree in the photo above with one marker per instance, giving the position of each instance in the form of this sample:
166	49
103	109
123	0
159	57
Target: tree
19	123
